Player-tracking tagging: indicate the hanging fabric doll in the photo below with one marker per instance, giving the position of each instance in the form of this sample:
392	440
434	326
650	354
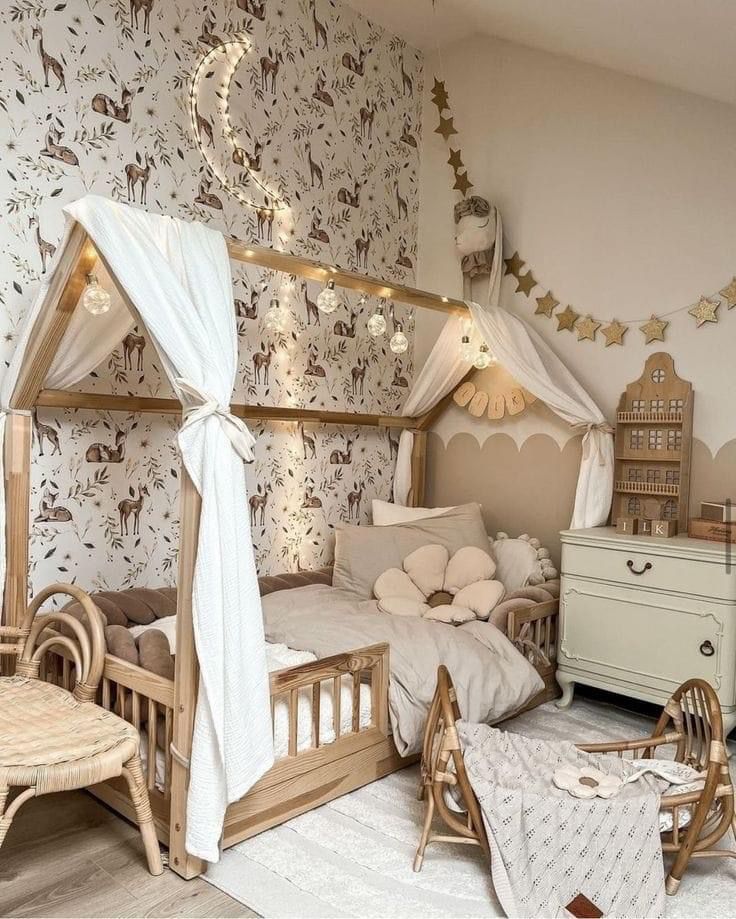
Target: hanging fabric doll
475	237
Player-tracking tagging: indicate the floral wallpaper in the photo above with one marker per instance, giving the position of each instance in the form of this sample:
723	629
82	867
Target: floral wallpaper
303	134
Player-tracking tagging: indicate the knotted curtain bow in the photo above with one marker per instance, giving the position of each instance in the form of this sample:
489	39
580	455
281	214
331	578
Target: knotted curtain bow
203	405
591	444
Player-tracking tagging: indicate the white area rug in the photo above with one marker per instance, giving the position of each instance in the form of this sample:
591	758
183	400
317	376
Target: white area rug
353	857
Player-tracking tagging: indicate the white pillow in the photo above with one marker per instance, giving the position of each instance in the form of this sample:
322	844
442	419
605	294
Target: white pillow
386	514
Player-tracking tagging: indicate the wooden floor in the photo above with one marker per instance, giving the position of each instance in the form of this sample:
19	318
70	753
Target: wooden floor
67	855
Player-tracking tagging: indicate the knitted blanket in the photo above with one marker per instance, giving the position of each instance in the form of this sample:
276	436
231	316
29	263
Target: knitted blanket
548	846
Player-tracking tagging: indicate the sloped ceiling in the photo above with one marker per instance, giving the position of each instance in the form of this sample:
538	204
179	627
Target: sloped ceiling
687	44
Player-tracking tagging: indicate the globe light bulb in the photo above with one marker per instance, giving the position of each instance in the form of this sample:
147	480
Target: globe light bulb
399	342
483	358
275	318
467	351
96	300
328	300
377	323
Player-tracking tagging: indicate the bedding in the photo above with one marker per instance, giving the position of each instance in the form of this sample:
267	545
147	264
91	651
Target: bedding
362	553
385	513
492	679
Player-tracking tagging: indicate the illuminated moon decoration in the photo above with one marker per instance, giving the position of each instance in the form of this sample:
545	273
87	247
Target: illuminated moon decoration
500	395
230	54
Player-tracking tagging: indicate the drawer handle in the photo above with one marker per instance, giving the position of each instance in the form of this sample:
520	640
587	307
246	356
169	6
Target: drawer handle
707	649
630	566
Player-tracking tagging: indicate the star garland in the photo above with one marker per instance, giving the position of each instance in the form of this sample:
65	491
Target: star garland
586	327
447	128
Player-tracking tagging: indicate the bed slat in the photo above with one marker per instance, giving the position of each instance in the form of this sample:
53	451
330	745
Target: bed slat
151	758
336	706
316	712
356	701
293	720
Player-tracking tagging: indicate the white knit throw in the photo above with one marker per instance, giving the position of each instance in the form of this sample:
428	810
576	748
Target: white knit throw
547	846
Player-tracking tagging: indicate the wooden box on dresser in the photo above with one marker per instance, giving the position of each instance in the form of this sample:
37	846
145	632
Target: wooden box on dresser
640	615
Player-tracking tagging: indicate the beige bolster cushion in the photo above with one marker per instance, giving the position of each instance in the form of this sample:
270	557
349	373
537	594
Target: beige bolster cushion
500	615
154	654
130	605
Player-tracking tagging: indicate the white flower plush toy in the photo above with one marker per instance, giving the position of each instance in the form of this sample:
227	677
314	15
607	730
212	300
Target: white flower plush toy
434	585
587	782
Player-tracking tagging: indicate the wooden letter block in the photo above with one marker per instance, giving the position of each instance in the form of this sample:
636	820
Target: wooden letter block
645	527
664	528
628	526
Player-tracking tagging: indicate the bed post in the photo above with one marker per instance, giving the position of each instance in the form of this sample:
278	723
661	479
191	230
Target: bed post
186	680
418	469
17	513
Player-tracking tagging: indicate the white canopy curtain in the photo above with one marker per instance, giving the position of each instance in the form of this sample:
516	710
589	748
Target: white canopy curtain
534	366
442	371
177	276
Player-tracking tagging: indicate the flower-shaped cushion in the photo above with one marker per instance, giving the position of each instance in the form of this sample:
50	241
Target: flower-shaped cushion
434	585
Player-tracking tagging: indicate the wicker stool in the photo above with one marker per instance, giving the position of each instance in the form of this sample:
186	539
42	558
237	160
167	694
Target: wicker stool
55	740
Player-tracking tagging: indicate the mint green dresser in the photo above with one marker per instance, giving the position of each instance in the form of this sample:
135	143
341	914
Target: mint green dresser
640	615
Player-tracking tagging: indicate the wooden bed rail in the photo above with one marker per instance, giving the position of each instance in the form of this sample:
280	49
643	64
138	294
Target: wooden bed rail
63	398
146	701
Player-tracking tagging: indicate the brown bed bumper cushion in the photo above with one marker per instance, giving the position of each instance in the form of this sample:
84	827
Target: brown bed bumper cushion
124	609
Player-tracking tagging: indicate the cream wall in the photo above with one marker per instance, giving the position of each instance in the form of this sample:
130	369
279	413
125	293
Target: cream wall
620	194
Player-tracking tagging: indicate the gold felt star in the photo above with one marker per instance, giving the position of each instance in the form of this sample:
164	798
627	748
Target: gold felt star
446	127
705	311
462	182
439	95
654	330
526	283
455	159
566	319
546	305
614	333
730	294
587	328
513	265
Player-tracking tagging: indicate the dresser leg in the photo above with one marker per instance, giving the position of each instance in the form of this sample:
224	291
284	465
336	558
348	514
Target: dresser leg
568	690
729	723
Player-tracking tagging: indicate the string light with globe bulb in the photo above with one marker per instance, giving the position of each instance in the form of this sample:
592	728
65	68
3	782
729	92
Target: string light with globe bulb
96	300
328	299
377	322
275	318
399	342
467	351
484	358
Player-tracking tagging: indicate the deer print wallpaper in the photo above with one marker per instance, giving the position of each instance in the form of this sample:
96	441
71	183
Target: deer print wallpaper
314	148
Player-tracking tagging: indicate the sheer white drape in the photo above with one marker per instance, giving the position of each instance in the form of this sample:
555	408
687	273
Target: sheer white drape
534	366
86	343
89	340
442	371
177	276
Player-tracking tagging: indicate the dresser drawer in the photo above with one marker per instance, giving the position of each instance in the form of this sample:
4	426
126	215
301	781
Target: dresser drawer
644	639
651	570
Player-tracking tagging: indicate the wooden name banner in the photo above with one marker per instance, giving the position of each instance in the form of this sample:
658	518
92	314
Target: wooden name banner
500	395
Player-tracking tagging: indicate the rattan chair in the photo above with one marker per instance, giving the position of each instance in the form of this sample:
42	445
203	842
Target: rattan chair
691	722
56	740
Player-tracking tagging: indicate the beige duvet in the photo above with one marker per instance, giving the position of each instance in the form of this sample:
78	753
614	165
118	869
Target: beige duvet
491	678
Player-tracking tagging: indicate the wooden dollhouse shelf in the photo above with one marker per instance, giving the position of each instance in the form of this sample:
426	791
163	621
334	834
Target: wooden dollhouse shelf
649	418
648	488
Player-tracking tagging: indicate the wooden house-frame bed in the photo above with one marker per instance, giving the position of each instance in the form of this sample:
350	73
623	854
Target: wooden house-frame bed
165	709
